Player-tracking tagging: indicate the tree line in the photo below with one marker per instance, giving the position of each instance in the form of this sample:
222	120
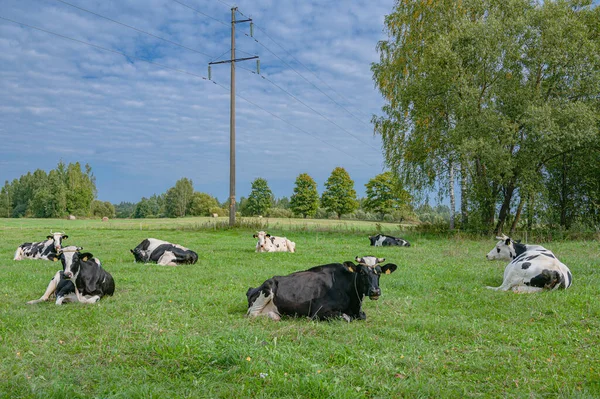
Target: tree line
501	99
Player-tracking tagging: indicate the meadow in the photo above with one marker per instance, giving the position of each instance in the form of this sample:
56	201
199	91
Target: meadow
181	332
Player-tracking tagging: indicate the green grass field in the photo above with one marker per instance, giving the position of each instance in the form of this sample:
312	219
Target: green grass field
181	332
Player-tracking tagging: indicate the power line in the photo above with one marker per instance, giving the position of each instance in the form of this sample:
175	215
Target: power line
294	126
308	81
311	108
305	67
183	72
221	1
104	48
200	12
136	29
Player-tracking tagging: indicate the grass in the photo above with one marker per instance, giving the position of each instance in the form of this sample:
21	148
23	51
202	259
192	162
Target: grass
181	332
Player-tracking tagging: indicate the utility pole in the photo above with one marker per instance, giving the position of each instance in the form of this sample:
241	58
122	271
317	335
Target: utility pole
232	61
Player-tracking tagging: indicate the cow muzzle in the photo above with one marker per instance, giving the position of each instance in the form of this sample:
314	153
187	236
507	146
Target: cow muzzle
68	274
374	294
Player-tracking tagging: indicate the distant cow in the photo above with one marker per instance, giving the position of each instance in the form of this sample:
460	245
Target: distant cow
269	243
46	250
82	279
164	253
322	292
381	240
533	268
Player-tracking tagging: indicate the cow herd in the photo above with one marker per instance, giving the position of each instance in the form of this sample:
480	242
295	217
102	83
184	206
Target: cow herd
334	290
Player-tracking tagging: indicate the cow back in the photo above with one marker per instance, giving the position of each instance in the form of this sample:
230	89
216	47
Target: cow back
94	280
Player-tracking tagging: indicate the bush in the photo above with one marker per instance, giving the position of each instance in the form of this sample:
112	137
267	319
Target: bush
279	213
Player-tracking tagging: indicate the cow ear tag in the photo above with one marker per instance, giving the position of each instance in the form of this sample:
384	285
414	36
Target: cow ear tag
388	271
54	259
85	258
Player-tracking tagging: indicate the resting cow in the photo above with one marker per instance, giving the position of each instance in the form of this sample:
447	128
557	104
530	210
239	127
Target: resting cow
46	250
322	292
533	268
82	279
163	253
269	243
381	240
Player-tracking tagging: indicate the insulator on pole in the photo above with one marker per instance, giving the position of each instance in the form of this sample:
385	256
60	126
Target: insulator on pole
258	66
251	29
209	77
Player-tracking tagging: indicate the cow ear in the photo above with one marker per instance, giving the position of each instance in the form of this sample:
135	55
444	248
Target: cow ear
131	250
268	235
65	237
254	235
85	256
507	242
389	268
351	267
49	237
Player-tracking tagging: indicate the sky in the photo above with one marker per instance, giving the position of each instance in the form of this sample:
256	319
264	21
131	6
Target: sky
143	125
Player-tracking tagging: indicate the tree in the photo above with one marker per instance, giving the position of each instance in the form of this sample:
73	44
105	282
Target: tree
124	209
179	198
202	203
305	200
80	189
339	195
385	194
260	198
501	87
103	208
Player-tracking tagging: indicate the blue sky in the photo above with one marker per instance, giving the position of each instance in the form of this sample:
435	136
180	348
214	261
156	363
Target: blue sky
142	127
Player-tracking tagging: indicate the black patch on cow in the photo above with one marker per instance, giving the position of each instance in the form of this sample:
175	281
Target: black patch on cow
547	279
570	279
548	255
531	257
525	265
519	248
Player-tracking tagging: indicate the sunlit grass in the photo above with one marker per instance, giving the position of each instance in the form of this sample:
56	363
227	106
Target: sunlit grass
181	332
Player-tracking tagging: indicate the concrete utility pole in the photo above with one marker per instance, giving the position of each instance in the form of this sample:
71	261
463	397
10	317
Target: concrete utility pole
232	61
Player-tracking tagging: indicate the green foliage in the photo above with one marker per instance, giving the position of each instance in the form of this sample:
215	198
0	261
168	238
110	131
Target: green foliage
150	207
305	200
260	198
124	209
339	195
385	194
503	88
80	188
202	204
179	198
102	209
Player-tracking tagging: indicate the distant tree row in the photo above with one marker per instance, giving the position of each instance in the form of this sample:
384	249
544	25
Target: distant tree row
66	190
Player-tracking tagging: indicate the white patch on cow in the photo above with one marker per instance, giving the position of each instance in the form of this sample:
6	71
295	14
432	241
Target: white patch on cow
72	297
264	306
167	259
379	241
19	254
370	260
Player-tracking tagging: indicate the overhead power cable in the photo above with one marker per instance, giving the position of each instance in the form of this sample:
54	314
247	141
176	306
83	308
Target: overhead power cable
294	126
200	12
311	108
135	29
104	48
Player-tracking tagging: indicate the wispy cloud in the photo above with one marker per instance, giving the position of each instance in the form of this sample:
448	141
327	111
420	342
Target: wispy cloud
142	127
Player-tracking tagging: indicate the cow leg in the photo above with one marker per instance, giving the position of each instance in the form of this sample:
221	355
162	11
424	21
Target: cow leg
90	298
66	298
167	259
525	289
49	291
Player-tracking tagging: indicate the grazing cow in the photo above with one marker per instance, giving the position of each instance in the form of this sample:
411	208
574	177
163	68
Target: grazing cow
322	292
45	250
268	243
163	253
533	268
381	240
82	279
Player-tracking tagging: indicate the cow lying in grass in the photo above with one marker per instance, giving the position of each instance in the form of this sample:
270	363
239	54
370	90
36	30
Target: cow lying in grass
82	279
163	253
45	250
269	243
322	292
382	240
532	268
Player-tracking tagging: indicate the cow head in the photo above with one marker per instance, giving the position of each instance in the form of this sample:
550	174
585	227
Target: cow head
71	260
373	239
57	239
262	239
368	272
504	249
140	255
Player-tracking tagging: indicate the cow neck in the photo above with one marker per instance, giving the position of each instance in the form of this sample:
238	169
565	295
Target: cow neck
519	248
356	289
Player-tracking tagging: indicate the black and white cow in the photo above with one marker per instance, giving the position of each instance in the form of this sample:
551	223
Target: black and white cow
381	240
45	250
82	279
268	243
532	268
164	253
322	292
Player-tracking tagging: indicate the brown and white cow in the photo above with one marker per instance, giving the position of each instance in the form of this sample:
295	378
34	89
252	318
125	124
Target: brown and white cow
269	243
